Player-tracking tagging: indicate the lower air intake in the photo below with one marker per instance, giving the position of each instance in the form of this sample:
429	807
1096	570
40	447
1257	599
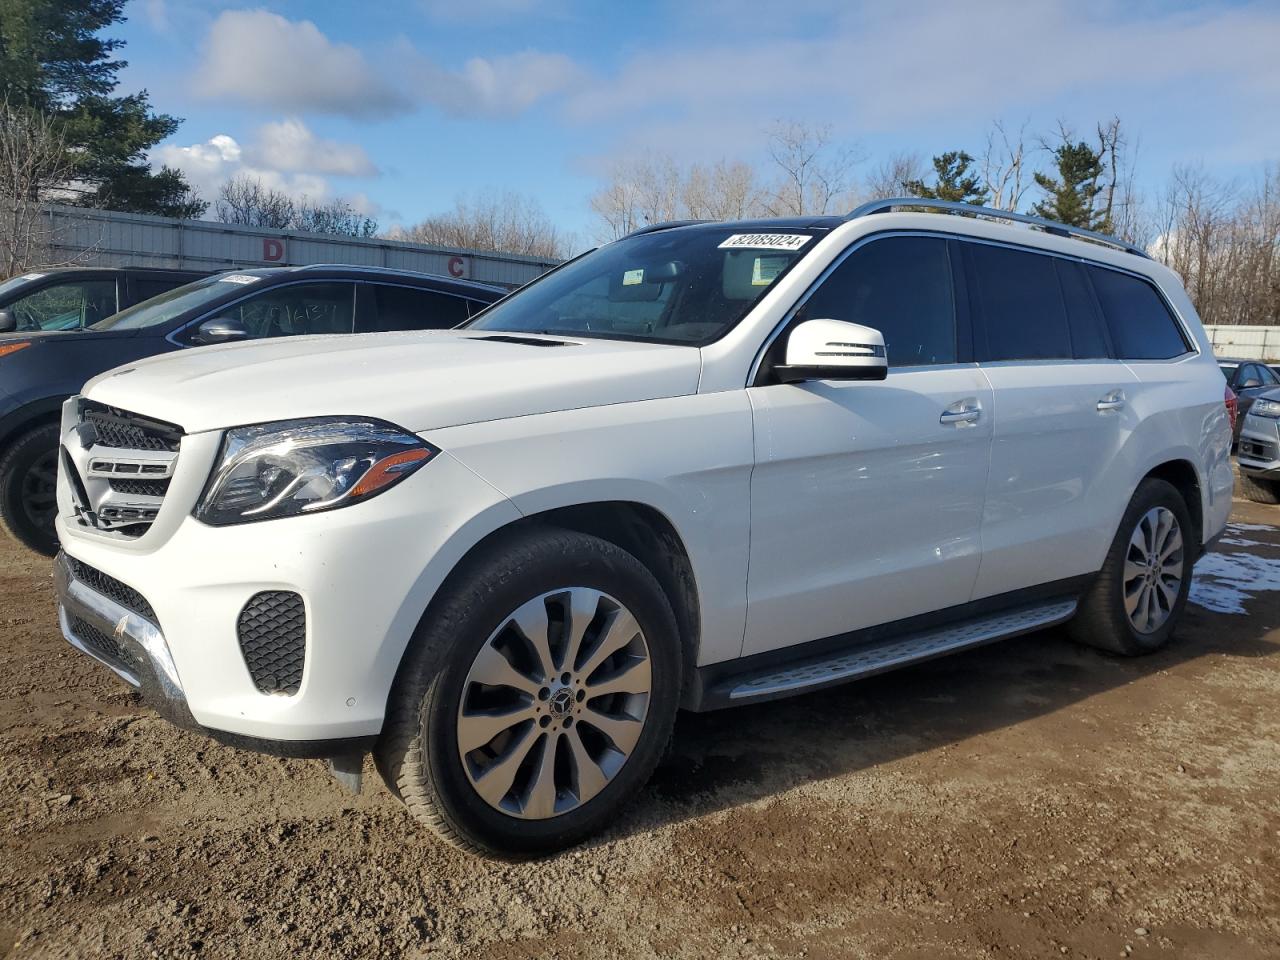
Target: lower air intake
272	630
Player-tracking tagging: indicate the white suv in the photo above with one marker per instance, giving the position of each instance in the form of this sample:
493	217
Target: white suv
707	464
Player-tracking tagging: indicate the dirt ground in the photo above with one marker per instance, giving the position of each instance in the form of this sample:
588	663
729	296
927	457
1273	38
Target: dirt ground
1030	799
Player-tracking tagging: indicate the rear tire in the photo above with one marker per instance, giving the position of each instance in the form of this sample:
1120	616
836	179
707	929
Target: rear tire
1259	489
1134	605
539	582
28	488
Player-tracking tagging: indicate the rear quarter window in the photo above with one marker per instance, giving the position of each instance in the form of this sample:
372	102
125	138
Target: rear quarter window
1142	327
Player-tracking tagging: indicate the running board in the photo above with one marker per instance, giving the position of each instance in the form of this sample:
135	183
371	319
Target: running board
869	659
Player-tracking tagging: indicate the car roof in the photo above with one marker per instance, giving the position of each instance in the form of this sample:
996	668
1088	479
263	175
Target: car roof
349	271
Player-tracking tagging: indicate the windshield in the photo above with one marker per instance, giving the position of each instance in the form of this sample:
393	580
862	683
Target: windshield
687	285
167	306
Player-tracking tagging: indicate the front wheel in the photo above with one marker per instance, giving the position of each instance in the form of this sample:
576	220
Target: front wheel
1134	605
536	698
28	488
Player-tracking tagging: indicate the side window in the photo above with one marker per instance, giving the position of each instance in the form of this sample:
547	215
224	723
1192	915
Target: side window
66	306
1088	330
144	288
1020	306
408	308
1249	376
299	308
1268	376
902	287
1142	328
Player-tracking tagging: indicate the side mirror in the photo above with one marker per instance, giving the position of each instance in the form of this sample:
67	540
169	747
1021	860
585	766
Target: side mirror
8	322
834	350
219	330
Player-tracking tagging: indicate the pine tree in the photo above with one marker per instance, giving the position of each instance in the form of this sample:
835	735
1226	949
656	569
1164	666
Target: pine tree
53	61
1070	198
952	181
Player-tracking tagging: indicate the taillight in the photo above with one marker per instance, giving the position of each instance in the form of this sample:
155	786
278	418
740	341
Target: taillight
1233	407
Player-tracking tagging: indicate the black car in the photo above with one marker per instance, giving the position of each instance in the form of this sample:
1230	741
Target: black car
72	298
1249	379
40	370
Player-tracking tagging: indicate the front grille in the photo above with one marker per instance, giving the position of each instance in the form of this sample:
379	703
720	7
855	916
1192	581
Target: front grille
128	431
272	629
109	586
102	644
144	488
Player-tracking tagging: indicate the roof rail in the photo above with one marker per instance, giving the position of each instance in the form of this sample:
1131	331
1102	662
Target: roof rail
664	225
989	213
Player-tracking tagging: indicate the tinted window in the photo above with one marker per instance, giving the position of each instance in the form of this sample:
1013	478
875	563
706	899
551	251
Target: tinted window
406	308
900	286
1141	326
1267	376
1249	376
144	288
66	306
299	308
1019	304
1088	333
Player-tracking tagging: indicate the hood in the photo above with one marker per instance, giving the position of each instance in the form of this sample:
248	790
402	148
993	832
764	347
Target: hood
420	381
64	336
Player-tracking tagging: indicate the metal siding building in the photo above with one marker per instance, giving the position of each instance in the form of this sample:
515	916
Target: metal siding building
107	238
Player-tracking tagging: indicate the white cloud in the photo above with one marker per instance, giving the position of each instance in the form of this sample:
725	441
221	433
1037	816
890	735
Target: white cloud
290	145
259	57
285	156
497	86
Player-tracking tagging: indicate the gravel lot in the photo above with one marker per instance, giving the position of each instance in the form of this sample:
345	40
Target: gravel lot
1030	799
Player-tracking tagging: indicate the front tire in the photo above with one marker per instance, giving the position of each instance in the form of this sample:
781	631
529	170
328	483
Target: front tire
1258	489
1134	605
28	489
536	698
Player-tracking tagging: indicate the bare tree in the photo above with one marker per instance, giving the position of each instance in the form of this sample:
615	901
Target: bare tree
247	200
34	163
814	174
653	188
889	178
1004	166
510	223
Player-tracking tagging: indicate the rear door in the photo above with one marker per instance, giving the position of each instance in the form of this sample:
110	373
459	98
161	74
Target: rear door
1061	417
866	497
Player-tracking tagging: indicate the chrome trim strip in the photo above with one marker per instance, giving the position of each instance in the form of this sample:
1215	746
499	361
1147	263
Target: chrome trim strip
139	635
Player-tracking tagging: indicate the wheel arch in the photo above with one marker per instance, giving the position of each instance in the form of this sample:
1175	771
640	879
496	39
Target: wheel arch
1182	475
639	528
33	414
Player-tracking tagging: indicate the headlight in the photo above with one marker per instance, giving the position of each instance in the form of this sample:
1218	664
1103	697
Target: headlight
1266	408
282	469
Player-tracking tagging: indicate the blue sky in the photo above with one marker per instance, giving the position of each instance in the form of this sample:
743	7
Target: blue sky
406	104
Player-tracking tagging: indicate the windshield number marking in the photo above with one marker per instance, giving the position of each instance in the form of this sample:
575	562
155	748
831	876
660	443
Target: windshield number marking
765	241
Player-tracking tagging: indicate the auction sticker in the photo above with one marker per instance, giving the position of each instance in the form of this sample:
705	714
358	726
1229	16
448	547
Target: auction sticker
31	276
239	278
765	241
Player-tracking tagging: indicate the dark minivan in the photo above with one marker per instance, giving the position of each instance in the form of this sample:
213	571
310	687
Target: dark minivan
72	298
39	370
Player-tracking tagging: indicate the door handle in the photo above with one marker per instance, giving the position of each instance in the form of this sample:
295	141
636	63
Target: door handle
1112	401
961	413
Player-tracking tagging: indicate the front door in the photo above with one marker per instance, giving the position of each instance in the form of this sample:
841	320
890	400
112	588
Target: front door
866	498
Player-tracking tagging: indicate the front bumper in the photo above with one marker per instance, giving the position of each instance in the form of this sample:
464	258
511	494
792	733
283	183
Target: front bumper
1258	453
135	649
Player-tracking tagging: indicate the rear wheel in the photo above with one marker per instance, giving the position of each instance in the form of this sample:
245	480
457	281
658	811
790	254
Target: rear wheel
1134	605
28	488
536	698
1258	489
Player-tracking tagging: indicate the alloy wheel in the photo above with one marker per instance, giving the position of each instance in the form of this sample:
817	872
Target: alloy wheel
554	703
1153	570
